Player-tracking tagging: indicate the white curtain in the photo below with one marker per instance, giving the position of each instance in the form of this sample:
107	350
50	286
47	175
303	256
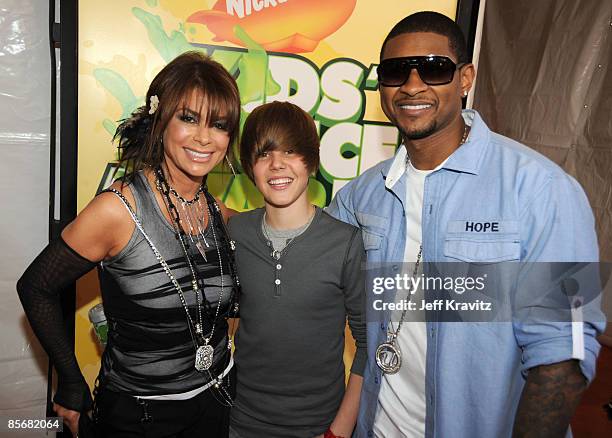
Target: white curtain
25	93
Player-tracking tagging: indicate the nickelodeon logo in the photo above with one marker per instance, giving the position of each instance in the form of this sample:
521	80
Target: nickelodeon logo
293	26
246	7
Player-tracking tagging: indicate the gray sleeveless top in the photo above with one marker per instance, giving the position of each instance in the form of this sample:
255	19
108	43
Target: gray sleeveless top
150	349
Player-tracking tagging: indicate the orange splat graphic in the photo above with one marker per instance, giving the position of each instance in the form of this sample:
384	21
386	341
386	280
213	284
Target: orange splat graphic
294	26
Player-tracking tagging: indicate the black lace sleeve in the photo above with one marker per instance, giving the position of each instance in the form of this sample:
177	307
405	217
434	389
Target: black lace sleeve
56	267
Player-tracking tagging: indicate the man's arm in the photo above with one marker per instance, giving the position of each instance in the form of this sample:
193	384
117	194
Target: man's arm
549	399
558	360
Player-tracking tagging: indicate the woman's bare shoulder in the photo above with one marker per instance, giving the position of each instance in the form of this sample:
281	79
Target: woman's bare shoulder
103	227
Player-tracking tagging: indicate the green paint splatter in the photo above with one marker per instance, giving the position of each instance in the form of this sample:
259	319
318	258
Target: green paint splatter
109	126
316	192
119	88
240	195
168	46
255	80
152	2
228	59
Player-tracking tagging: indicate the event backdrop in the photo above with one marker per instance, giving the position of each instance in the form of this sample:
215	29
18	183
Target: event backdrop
318	54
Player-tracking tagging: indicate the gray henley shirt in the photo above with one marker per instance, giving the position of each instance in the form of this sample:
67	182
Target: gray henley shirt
293	313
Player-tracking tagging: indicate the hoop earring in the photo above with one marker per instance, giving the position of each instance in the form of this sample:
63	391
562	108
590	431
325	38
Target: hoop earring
230	165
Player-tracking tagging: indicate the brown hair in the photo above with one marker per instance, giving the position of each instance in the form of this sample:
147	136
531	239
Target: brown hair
140	136
279	126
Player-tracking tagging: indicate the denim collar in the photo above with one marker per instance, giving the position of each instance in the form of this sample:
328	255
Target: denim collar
465	159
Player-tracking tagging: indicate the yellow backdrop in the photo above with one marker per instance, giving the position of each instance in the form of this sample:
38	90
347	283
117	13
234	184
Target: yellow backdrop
319	54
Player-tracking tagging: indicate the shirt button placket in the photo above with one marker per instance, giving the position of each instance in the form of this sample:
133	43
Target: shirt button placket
277	280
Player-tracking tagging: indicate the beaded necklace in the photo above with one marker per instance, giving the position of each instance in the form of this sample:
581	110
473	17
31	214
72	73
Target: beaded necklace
204	351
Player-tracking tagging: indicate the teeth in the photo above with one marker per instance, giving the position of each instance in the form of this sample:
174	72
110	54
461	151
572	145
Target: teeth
279	181
199	154
415	107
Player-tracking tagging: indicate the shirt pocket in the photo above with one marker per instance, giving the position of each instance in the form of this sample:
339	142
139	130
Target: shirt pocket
489	250
373	229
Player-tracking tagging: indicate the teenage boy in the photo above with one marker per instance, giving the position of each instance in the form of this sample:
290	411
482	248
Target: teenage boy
301	278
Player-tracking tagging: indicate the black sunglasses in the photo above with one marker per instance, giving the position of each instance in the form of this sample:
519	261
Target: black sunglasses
433	70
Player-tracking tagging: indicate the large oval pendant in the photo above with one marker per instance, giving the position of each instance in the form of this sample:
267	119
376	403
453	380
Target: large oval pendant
388	358
204	357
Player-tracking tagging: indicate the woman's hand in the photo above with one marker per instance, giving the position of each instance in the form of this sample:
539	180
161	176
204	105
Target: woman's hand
71	418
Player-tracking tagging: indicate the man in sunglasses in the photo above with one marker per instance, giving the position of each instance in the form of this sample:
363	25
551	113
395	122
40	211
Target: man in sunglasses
456	191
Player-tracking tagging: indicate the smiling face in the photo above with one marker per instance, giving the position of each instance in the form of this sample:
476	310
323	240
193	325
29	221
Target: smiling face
193	145
417	109
282	178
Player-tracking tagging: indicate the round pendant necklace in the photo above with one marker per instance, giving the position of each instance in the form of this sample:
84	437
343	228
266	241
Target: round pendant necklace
388	355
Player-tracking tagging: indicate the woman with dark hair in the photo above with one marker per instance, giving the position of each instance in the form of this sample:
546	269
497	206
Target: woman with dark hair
301	280
165	264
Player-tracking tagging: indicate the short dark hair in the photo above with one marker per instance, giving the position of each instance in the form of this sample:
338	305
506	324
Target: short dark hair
140	137
279	126
434	22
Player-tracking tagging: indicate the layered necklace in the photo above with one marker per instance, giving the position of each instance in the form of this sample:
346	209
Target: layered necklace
204	351
194	216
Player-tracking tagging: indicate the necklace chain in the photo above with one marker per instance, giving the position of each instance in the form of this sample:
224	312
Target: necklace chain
392	335
162	185
184	201
159	257
266	229
388	355
191	212
159	177
204	353
466	131
464	137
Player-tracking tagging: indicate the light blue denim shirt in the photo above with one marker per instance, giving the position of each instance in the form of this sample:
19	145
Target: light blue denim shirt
475	371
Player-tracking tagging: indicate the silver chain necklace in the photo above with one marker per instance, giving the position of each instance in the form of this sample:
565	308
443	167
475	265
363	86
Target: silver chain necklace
204	353
464	137
275	254
388	354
